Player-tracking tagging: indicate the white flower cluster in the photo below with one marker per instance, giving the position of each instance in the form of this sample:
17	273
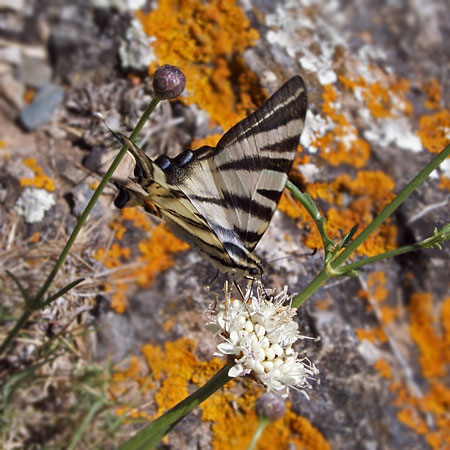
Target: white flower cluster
260	332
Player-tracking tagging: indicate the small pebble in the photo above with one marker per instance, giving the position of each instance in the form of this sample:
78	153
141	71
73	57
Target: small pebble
42	108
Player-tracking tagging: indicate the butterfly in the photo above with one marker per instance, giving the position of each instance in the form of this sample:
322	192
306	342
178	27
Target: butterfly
221	199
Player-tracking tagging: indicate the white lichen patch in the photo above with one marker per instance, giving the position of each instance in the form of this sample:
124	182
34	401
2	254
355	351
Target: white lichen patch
33	204
315	126
314	33
388	132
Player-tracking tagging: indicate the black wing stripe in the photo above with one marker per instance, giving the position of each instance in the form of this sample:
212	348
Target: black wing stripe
287	104
250	238
229	263
283	146
191	222
242	202
270	194
246	236
255	164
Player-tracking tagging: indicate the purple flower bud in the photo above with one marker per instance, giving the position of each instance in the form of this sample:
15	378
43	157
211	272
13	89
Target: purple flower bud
168	82
270	407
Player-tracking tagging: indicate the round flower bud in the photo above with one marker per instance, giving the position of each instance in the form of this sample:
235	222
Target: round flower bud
168	82
270	407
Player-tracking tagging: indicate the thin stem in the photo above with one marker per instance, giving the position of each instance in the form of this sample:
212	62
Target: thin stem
426	243
17	327
309	205
262	424
312	287
389	209
153	433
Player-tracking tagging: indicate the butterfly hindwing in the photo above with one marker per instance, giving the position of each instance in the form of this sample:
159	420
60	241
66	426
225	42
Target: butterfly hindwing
221	199
170	202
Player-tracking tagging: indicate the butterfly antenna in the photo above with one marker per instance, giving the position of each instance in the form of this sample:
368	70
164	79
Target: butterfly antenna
291	256
114	133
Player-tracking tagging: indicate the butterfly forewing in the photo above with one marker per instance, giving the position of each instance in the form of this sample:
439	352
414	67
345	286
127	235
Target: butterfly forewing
237	185
221	199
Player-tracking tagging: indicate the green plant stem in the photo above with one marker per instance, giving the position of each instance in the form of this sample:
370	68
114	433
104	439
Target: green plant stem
262	424
330	271
389	209
313	211
36	301
153	433
391	254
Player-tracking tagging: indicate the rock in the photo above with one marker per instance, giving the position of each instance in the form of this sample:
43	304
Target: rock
80	197
34	70
11	54
13	5
121	5
33	203
42	108
13	92
135	50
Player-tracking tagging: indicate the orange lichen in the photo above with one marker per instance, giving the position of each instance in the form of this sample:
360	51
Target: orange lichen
383	368
156	254
137	217
35	237
113	257
40	180
371	334
234	422
445	319
168	325
211	140
3	144
119	229
119	300
29	95
433	92
434	353
385	98
175	368
323	304
434	359
389	314
178	364
205	40
342	144
434	130
444	183
131	372
371	191
412	419
377	284
292	207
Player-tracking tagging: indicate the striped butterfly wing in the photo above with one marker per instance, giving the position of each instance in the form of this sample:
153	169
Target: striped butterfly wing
221	199
165	199
236	186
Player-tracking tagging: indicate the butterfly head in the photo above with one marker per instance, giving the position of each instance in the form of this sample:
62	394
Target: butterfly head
250	268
